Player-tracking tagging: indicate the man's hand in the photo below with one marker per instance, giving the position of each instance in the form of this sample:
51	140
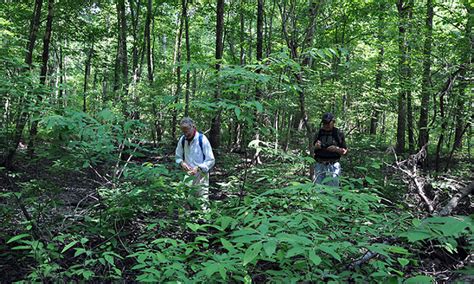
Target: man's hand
340	151
317	145
185	166
193	172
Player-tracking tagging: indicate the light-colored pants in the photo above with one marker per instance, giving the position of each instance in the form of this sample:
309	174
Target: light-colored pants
327	174
200	184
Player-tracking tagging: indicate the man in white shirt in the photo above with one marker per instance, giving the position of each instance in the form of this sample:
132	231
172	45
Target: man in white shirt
194	155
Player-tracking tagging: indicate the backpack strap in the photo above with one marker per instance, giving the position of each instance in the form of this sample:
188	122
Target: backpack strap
200	145
182	146
335	136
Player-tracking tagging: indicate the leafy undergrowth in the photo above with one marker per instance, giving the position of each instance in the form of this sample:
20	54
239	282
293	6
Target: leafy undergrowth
274	227
93	214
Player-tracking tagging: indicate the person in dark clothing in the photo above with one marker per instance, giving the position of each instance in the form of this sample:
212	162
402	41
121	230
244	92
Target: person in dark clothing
329	147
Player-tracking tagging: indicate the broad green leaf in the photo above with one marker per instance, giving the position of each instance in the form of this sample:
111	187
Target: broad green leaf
252	252
237	112
269	247
194	227
109	259
330	251
314	258
295	251
420	279
414	236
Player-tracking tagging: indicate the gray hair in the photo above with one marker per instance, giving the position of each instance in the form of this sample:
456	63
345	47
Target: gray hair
187	121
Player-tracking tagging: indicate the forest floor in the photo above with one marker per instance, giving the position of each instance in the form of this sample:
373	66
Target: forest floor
52	198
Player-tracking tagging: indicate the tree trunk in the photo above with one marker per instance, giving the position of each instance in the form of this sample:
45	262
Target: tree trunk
259	52
135	16
23	114
44	71
423	136
188	56
122	57
403	13
378	73
148	41
215	134
409	75
61	77
468	43
87	73
177	63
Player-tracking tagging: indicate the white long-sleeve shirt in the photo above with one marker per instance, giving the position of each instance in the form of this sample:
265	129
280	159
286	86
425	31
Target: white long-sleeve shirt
193	154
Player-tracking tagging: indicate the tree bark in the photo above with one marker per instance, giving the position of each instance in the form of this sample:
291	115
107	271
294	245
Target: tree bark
403	15
409	75
23	113
423	136
467	50
378	73
188	56
44	70
259	52
87	72
215	135
177	63
453	202
122	57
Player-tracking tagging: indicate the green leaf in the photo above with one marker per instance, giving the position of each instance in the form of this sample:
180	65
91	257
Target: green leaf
270	247
247	239
227	245
70	245
237	112
403	261
259	106
420	279
79	251
330	251
193	227
252	252
17	237
295	251
21	247
109	259
314	258
414	236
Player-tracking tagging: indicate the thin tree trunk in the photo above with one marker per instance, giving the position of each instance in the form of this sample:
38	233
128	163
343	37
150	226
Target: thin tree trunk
61	76
423	136
215	133
122	57
444	125
87	71
178	76
258	91
44	70
403	12
379	73
409	75
468	46
188	56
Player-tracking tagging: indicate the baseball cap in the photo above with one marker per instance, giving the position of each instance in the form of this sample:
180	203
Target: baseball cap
327	117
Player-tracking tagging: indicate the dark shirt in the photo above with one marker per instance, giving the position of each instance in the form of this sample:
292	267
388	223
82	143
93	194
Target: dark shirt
333	137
